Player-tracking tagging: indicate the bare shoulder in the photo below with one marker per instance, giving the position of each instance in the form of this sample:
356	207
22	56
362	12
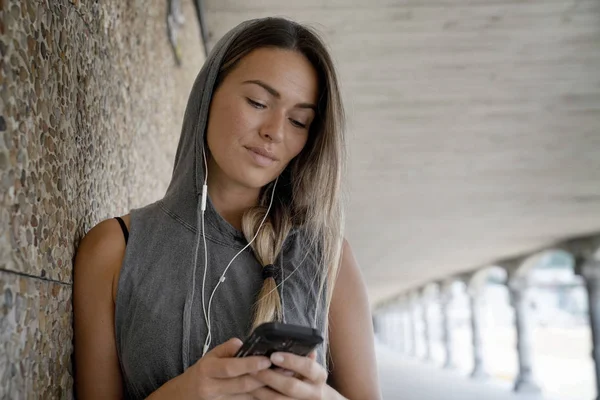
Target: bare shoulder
350	275
104	241
97	267
101	251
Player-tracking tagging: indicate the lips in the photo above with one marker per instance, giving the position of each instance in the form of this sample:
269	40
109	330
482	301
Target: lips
261	156
262	152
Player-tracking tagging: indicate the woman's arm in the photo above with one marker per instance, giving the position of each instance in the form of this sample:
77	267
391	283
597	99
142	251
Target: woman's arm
97	371
351	340
97	264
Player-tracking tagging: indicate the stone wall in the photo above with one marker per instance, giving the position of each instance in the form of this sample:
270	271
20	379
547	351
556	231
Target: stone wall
90	114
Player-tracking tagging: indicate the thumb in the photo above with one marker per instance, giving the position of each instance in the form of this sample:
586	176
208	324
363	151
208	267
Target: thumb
227	349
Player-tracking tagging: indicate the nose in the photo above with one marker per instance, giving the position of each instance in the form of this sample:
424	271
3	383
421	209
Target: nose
273	127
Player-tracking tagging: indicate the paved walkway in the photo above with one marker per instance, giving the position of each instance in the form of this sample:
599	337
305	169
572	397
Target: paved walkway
407	379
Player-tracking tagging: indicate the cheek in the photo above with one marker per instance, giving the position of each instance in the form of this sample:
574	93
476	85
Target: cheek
293	148
296	145
227	125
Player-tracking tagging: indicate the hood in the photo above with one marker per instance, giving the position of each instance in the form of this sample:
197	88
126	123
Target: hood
184	193
182	196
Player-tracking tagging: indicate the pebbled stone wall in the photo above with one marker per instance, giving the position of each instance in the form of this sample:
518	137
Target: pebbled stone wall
91	103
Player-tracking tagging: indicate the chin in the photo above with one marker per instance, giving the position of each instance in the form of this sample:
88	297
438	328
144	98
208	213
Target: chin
254	180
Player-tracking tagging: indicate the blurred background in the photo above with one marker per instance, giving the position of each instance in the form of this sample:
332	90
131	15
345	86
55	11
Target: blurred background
473	179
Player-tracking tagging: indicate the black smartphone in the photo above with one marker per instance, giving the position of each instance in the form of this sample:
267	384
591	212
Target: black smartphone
271	337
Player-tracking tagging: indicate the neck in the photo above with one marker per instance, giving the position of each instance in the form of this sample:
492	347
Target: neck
230	199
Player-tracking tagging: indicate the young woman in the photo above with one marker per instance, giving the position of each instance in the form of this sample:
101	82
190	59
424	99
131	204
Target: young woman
249	231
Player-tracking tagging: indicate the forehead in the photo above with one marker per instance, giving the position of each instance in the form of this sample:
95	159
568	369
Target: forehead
287	71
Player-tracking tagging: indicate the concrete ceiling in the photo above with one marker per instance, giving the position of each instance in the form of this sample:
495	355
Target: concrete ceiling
474	127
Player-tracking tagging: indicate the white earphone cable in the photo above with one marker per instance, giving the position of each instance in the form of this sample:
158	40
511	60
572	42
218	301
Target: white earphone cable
222	278
203	208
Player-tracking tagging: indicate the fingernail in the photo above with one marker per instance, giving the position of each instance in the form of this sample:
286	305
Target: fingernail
276	358
265	364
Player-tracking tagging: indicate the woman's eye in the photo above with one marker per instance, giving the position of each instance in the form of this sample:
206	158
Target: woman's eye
256	104
298	124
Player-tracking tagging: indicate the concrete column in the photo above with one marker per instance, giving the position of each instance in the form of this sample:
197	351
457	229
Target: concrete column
377	324
590	271
401	324
386	327
475	302
445	302
426	331
406	328
412	322
390	328
519	293
398	338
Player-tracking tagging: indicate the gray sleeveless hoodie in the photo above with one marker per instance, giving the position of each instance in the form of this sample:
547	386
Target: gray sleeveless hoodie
159	322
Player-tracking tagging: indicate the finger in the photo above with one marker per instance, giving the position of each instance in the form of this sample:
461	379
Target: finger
313	355
240	385
293	387
284	371
305	366
269	394
243	396
234	367
227	349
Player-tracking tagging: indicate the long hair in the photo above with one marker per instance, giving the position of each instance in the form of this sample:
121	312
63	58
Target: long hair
308	194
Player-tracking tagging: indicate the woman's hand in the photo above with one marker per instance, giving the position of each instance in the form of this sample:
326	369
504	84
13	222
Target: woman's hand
218	375
308	383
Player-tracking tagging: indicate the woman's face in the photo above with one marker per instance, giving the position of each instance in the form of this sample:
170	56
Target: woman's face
265	105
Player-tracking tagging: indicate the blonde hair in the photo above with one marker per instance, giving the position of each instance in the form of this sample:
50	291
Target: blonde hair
315	174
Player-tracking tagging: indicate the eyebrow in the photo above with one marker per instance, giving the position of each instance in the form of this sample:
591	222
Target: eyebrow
276	94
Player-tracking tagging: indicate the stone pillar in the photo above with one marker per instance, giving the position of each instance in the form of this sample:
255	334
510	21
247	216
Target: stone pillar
519	293
590	271
475	302
426	331
445	302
